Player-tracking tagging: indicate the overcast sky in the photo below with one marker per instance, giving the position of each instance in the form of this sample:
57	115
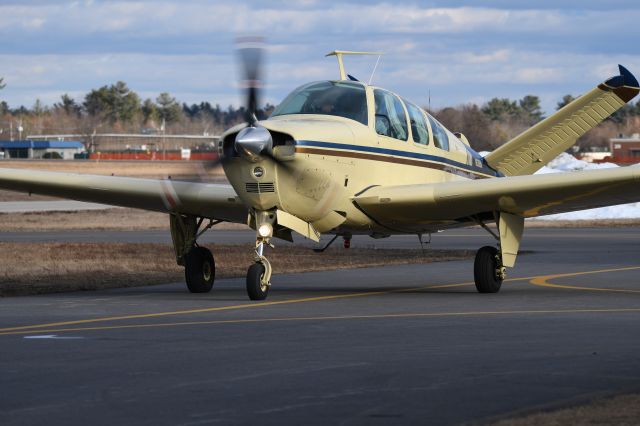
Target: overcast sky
460	51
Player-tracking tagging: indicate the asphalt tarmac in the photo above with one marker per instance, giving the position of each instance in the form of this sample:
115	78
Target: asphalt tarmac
408	344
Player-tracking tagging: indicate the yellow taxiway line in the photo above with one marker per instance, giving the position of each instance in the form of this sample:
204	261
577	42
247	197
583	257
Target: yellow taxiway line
536	280
235	307
543	281
331	318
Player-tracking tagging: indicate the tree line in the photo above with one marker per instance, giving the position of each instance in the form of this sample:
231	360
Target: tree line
117	108
500	119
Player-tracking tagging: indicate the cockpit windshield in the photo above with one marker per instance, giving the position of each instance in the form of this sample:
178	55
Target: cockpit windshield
340	98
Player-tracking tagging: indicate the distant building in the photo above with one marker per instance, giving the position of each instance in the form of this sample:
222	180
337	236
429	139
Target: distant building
40	149
625	149
124	142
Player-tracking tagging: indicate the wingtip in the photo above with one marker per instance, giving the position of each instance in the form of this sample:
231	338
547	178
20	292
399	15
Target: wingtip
628	78
625	85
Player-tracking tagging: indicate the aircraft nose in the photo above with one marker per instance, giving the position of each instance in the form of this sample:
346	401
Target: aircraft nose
252	141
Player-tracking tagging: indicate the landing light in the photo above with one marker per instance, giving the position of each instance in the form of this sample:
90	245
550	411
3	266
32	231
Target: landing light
265	230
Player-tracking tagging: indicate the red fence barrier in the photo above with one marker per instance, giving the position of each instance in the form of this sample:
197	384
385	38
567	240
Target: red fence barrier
197	156
619	159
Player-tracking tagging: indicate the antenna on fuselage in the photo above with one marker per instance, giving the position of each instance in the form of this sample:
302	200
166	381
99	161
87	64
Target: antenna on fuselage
338	54
374	70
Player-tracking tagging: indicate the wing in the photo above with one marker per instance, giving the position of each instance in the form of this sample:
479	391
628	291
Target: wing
412	207
205	200
529	151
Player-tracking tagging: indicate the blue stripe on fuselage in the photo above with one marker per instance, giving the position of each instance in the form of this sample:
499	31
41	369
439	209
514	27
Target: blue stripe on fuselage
484	170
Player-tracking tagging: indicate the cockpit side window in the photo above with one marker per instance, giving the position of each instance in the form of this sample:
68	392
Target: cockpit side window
391	120
419	129
440	138
343	99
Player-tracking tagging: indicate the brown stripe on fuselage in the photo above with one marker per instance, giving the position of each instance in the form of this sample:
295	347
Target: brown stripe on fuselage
388	159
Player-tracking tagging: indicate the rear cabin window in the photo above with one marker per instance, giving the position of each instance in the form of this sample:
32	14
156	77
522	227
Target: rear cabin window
391	120
344	99
419	129
440	138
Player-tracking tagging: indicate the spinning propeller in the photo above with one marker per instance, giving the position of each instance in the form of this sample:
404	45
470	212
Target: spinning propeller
254	141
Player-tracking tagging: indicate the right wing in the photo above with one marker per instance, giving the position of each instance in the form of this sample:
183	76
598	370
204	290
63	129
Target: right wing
532	149
412	207
206	200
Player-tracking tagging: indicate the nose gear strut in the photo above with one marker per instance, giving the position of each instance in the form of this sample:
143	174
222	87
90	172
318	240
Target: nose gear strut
259	274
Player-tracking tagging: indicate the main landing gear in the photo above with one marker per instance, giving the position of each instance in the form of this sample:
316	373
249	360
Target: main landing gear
489	268
198	262
199	270
488	272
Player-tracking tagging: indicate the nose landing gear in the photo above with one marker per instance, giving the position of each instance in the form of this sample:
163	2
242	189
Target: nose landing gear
259	275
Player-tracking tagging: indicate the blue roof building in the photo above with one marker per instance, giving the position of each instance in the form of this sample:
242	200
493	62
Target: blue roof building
41	149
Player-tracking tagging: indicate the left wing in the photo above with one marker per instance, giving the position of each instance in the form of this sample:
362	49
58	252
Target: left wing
535	147
199	199
416	206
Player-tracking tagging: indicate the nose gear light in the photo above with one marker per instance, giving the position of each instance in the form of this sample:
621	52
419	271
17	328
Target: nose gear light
265	230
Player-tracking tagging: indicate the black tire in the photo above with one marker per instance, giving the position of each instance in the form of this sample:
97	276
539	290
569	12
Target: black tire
199	270
484	270
255	289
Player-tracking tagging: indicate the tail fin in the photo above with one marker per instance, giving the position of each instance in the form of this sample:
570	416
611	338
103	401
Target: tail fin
535	147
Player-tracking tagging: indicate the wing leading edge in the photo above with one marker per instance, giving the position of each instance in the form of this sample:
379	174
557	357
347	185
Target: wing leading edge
205	200
413	207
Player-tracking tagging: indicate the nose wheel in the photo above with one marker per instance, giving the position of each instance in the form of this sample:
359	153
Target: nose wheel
259	275
257	286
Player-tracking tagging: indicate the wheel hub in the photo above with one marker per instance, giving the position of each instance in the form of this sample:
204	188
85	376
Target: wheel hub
264	285
206	271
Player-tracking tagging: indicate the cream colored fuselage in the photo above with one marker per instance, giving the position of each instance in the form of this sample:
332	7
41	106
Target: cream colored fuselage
331	159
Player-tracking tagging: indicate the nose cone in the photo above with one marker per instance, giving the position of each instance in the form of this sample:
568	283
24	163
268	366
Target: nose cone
252	141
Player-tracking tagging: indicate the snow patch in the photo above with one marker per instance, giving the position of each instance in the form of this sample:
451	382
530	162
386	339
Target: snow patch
568	163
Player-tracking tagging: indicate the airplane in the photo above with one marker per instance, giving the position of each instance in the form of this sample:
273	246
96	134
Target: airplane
343	157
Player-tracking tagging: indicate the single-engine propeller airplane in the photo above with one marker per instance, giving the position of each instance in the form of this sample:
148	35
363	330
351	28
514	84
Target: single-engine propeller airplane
346	158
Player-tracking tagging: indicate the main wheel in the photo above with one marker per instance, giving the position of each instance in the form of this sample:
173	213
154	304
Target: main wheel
486	270
256	289
199	270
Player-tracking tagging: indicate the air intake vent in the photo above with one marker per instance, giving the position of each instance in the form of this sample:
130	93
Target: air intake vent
259	187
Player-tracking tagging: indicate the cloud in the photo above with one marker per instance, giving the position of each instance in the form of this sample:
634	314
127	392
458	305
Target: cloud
538	75
460	51
170	17
500	55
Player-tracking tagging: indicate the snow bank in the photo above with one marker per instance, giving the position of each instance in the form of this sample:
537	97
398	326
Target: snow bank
568	163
